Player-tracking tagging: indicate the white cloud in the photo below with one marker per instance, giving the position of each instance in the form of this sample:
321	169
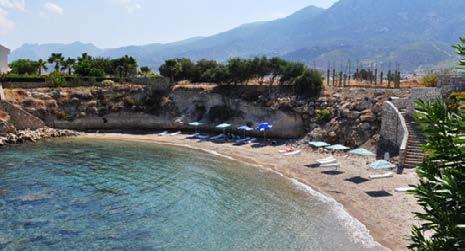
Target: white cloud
13	4
130	5
52	8
6	25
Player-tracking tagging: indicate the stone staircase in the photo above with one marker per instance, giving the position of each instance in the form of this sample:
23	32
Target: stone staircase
414	154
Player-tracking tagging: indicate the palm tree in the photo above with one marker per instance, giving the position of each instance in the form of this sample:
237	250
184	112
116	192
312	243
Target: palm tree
84	57
42	65
57	59
68	64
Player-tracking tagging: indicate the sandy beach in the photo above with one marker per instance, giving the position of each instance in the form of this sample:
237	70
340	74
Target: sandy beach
388	218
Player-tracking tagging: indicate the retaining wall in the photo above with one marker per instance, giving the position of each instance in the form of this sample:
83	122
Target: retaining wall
394	132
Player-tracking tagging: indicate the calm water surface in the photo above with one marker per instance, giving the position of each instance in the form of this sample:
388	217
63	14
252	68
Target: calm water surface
81	194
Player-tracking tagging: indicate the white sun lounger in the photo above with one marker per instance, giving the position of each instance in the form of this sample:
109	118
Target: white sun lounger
327	161
163	133
404	189
175	133
195	135
251	140
293	153
381	176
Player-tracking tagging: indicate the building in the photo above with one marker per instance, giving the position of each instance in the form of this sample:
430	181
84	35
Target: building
4	59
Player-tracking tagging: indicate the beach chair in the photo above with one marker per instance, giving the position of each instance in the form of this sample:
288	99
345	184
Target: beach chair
293	153
381	176
163	133
175	133
218	137
242	141
327	161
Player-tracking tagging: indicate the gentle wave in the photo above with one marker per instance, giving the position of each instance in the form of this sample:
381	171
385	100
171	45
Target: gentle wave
357	229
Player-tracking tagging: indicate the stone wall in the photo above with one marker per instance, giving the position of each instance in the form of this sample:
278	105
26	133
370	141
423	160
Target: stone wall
394	132
424	94
450	84
19	118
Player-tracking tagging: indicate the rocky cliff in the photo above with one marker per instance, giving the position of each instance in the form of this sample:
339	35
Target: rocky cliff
346	116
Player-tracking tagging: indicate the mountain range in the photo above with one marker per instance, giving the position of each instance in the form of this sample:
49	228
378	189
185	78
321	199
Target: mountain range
407	33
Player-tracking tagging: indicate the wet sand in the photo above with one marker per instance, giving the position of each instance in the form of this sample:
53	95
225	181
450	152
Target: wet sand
389	219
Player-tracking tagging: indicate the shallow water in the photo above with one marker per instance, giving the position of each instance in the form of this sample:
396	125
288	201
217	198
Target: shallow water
81	194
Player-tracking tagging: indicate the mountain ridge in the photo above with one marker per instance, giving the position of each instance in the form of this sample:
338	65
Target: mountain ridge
414	33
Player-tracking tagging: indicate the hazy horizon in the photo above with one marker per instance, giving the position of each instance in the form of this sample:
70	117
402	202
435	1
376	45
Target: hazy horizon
132	22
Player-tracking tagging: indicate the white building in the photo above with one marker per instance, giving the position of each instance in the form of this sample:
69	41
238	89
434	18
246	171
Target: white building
4	59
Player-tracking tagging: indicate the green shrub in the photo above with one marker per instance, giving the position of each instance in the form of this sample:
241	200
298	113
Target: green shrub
325	114
108	82
441	191
430	80
309	84
57	79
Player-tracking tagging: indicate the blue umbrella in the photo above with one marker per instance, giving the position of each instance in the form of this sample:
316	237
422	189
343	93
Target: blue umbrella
362	152
318	144
263	127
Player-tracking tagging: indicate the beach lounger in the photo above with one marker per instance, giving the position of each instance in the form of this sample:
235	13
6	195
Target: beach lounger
163	133
252	140
202	137
194	135
381	176
175	133
327	161
218	137
293	153
404	189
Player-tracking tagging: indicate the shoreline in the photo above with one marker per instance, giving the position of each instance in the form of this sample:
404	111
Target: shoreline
388	219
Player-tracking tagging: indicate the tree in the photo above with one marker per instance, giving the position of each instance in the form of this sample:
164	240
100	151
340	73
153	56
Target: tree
24	66
68	65
277	66
239	70
145	71
171	69
441	191
309	84
460	49
42	65
292	71
56	59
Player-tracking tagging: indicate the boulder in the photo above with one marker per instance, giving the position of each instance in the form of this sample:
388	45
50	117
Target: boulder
368	117
363	105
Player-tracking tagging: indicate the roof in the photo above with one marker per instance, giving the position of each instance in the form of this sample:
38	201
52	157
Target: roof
4	48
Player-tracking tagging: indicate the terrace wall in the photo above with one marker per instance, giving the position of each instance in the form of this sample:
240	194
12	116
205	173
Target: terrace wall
394	132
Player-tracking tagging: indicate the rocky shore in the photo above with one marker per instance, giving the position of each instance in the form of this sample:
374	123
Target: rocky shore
23	136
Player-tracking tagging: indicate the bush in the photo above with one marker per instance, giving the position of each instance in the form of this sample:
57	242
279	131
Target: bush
309	84
441	191
325	114
57	79
108	82
430	80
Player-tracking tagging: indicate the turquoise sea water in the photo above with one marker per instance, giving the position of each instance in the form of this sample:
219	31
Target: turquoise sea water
80	194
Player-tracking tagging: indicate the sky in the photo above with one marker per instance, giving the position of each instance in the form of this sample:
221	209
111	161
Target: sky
116	23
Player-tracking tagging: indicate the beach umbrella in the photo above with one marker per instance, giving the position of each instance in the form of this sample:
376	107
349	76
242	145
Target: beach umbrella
196	124
318	144
338	147
362	152
263	127
381	164
245	129
223	126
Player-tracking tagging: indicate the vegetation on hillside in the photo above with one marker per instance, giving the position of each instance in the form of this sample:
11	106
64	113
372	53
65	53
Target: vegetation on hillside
441	191
85	66
240	71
